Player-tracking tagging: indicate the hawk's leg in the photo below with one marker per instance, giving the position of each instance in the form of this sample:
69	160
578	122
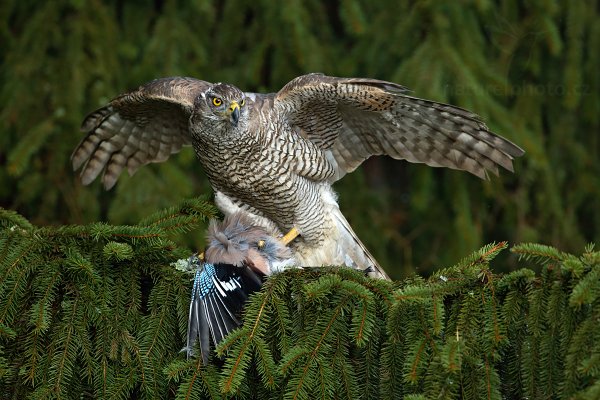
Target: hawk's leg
291	235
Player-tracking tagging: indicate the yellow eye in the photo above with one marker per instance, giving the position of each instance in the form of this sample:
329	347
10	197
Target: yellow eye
242	102
261	244
217	101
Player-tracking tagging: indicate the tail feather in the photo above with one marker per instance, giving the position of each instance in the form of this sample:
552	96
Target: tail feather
198	326
354	251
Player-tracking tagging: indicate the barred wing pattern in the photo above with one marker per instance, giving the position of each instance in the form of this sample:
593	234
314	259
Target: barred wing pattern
354	118
143	126
351	119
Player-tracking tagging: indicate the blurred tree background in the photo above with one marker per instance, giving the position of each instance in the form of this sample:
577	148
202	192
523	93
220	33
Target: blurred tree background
529	68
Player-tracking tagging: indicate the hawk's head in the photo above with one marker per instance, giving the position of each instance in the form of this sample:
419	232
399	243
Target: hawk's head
225	102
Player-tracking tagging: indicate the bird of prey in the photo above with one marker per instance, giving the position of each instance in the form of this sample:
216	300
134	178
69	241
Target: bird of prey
275	156
239	255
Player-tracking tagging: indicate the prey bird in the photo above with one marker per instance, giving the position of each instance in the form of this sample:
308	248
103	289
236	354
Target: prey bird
275	156
238	257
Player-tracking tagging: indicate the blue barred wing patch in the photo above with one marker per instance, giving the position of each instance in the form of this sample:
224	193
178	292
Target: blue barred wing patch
218	296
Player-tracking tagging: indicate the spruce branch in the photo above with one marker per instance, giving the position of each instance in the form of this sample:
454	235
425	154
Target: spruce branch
13	221
97	311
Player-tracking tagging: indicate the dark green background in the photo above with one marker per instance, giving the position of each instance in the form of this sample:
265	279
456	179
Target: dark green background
529	68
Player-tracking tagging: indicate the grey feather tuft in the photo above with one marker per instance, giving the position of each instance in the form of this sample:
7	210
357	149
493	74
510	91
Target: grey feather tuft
229	240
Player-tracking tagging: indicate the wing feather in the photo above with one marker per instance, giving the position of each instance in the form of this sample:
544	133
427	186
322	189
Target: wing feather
352	119
144	126
219	294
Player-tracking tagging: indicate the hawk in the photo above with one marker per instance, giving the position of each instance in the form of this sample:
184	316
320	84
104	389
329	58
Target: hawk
274	156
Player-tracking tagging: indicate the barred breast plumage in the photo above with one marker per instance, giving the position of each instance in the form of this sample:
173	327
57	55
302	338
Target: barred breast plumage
275	156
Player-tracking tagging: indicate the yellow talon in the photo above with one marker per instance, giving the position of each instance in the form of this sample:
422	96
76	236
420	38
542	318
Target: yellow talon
291	235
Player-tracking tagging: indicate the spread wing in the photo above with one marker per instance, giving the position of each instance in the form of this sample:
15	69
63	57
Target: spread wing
354	118
140	127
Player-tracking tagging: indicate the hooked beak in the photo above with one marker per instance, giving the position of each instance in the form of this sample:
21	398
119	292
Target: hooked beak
234	112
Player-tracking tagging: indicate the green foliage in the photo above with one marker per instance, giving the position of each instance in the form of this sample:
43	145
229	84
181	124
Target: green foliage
528	68
97	311
92	310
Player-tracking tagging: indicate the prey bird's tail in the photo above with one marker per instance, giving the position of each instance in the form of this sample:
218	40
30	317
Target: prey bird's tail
352	251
